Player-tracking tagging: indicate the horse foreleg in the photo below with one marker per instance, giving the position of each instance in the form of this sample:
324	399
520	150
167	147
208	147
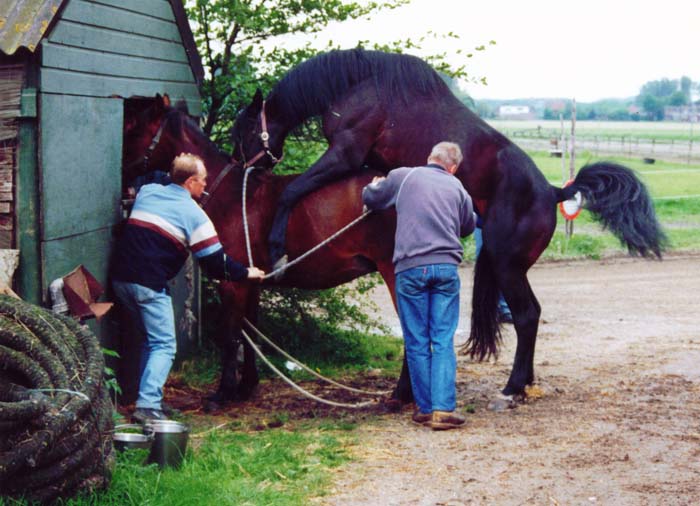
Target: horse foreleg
344	157
249	374
403	393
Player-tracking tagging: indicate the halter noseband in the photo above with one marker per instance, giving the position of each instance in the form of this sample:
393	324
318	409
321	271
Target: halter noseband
143	160
265	138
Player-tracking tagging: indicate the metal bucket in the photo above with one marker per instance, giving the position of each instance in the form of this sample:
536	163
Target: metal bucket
169	442
130	436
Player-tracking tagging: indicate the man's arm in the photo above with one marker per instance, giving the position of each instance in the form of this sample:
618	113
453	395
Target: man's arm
381	192
219	265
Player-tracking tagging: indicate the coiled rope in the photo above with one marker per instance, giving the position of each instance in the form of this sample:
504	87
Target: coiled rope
55	411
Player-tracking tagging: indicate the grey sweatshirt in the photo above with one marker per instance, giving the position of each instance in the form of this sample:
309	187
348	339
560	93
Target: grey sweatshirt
433	212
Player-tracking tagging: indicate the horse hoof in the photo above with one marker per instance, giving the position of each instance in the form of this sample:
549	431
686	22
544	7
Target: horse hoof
501	403
280	265
209	405
393	405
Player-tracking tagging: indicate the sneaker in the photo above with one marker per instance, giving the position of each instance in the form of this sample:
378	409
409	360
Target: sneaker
143	415
421	418
445	420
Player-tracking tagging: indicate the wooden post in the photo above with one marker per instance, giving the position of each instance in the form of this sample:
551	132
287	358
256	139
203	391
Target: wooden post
572	162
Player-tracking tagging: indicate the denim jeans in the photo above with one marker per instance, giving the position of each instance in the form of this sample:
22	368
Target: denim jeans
153	312
478	243
428	300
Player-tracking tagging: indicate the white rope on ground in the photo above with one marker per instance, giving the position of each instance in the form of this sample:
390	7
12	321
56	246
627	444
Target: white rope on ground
297	387
308	369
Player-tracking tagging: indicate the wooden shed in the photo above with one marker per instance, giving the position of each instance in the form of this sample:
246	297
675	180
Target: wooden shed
67	70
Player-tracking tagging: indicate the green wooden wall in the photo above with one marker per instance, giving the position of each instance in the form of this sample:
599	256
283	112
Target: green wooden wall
96	55
118	47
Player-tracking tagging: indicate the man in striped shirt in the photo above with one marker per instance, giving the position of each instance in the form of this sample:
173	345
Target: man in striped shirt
164	226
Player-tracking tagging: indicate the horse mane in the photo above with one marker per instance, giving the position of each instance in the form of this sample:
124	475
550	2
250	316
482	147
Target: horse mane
179	120
311	87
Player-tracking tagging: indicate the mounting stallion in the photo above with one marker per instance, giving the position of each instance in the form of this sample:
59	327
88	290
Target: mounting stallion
388	110
154	133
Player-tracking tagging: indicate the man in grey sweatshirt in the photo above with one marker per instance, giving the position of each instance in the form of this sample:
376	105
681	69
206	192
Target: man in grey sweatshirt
433	211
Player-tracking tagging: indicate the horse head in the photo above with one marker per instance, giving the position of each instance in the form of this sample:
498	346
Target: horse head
152	137
257	138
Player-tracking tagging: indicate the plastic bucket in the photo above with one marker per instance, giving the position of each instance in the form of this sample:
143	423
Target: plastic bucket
130	436
169	442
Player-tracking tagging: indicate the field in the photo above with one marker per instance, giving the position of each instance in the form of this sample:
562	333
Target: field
668	130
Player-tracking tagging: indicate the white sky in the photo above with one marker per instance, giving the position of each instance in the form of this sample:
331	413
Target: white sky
585	49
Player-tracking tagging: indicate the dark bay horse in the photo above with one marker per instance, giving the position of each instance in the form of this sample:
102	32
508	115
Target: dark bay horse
388	110
365	248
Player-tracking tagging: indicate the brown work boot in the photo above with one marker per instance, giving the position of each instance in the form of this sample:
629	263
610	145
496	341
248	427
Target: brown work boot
445	420
421	418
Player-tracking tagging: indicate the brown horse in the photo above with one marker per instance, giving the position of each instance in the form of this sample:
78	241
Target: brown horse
155	135
388	110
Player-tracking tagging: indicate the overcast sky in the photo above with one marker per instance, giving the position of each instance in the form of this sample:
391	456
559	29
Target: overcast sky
585	49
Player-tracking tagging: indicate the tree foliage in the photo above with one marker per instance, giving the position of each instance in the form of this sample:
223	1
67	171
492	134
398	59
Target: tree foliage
655	96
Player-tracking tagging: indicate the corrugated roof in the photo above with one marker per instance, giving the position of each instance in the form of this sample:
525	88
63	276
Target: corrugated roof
24	22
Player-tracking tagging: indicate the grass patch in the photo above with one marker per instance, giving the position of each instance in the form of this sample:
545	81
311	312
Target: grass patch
228	468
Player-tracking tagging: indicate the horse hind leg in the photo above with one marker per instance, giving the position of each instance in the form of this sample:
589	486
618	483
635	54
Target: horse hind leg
526	315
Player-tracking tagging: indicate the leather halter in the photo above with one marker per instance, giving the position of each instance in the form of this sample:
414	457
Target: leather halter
265	138
143	160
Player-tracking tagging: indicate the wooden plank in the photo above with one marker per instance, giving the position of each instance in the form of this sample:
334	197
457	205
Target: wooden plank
27	279
93	62
66	82
6	197
81	152
124	21
5	207
6	175
79	35
157	9
92	249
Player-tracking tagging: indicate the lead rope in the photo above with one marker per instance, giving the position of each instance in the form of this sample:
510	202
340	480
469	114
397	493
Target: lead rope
308	369
246	231
297	387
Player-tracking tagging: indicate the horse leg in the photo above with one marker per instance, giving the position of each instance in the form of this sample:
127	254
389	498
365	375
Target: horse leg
403	393
236	300
526	312
249	374
341	159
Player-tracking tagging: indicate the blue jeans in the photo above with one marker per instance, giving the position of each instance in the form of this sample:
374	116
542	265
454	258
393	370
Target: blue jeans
428	300
153	313
478	243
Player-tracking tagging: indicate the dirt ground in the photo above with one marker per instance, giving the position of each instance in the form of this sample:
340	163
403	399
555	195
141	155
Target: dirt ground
614	420
617	423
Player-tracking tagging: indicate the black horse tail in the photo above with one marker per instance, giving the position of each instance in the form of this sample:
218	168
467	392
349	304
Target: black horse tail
485	335
621	203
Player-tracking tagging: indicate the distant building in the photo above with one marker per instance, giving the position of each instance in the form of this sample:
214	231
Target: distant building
682	113
516	112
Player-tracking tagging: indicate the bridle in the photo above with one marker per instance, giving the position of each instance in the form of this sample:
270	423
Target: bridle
143	160
249	164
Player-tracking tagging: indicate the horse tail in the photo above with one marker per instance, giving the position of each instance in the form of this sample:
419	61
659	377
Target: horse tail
485	334
621	203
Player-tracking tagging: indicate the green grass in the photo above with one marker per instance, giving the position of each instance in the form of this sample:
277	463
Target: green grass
273	467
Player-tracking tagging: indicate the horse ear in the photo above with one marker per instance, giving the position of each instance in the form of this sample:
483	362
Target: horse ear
257	100
166	100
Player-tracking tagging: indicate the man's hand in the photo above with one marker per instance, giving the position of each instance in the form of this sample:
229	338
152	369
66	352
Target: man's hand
255	274
377	179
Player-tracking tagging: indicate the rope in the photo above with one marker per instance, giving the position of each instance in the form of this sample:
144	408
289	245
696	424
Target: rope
297	387
246	231
245	216
308	369
318	246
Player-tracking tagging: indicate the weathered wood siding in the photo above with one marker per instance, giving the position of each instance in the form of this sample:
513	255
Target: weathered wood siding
118	47
11	80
